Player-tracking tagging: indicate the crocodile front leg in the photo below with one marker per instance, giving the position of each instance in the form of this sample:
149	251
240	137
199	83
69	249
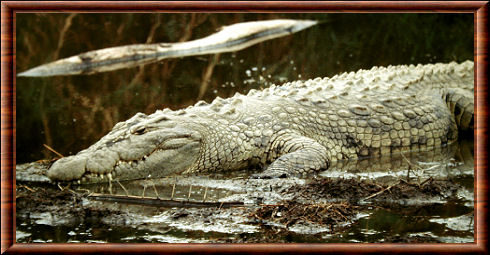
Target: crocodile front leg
299	155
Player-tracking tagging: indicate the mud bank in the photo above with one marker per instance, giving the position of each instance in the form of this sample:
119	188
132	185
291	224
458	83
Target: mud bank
322	210
415	197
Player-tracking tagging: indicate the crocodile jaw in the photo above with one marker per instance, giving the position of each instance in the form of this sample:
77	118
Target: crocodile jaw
159	163
124	154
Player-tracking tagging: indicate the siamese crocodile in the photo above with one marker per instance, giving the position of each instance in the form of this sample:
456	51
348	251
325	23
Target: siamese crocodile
297	128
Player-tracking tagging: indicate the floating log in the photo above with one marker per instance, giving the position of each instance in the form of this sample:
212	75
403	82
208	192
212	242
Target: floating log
230	38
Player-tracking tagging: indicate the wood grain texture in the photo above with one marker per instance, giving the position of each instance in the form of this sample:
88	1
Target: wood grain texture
251	6
8	9
8	130
481	129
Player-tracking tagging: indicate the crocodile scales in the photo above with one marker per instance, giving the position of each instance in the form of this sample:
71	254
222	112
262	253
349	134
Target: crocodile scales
293	129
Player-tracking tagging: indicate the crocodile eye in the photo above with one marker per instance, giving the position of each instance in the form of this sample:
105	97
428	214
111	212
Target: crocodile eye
139	130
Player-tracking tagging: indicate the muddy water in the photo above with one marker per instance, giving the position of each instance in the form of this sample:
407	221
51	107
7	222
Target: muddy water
70	113
440	211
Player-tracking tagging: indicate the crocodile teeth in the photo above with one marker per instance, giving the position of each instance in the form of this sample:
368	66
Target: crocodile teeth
109	176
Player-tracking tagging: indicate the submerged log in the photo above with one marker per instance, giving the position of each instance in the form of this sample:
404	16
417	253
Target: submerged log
160	202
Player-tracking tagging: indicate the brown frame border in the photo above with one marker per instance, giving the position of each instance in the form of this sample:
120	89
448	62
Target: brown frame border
8	115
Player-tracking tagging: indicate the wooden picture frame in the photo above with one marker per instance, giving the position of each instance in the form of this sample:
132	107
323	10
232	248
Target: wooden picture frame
8	93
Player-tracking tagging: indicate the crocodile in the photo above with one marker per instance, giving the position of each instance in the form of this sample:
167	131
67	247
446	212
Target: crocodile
297	128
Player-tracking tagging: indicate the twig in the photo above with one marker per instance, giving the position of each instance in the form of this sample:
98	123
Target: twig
158	22
155	189
149	39
189	195
125	190
422	184
410	163
61	39
27	188
408	172
173	191
110	186
339	213
205	193
52	150
316	211
61	188
381	191
207	75
144	189
72	192
86	191
188	29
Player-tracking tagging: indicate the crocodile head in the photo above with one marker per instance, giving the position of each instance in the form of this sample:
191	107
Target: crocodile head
144	146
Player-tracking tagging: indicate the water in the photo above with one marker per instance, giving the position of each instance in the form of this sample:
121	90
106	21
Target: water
414	218
70	113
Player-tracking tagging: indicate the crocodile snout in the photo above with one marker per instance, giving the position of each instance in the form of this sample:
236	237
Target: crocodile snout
67	169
